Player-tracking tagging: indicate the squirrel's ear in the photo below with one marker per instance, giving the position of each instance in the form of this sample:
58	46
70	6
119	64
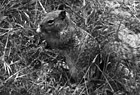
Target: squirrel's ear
62	14
61	7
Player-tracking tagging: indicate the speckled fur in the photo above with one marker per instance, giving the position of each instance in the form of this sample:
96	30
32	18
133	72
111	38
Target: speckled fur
77	45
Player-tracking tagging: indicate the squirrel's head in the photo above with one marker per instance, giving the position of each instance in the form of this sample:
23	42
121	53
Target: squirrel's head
54	22
54	27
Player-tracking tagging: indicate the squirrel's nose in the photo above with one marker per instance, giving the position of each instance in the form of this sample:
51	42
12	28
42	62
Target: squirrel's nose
38	29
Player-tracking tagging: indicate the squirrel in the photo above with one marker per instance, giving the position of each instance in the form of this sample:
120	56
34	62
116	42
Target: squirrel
77	45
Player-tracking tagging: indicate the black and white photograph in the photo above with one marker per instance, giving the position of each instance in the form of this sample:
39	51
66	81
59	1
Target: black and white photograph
69	47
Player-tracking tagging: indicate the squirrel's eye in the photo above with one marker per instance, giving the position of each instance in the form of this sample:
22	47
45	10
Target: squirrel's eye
50	22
